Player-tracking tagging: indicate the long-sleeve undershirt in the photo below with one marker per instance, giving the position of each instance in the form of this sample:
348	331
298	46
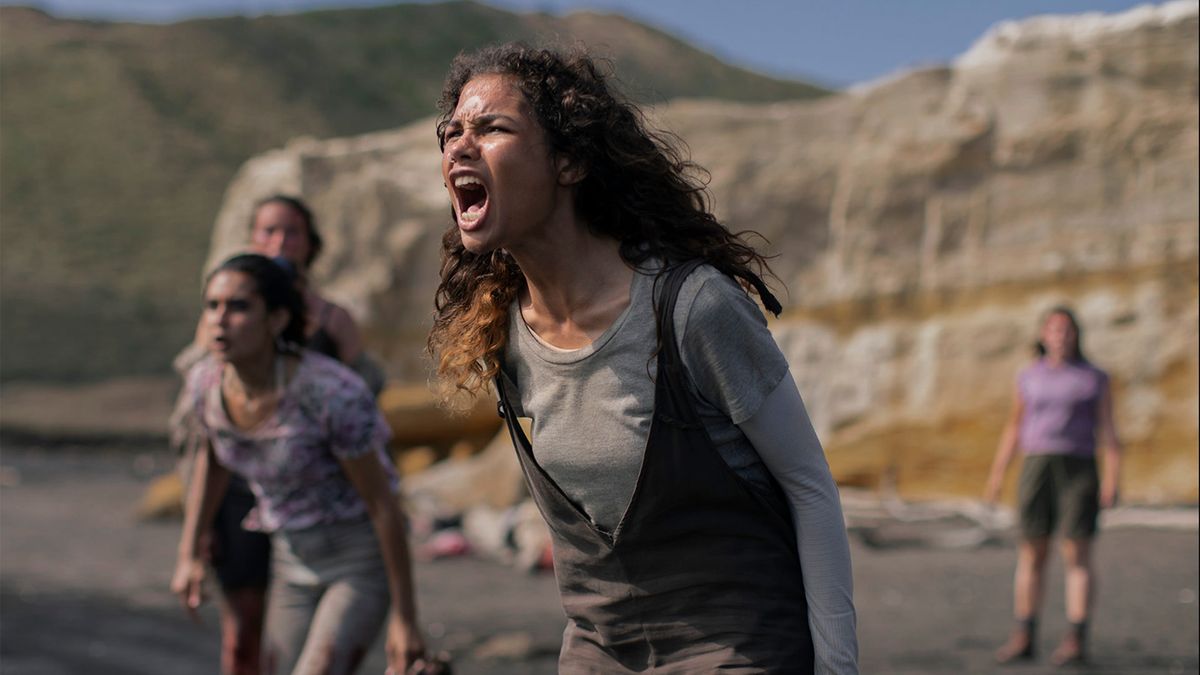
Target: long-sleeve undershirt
783	436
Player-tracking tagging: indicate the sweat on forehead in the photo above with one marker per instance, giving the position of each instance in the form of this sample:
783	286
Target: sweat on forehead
485	99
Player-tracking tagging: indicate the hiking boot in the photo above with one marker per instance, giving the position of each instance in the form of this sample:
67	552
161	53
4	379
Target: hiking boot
1019	646
1070	651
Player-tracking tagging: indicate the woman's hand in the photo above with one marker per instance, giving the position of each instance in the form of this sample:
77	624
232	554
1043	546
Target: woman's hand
405	648
1006	449
188	584
1108	495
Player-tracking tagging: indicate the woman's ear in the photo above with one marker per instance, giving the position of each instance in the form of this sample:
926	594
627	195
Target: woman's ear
570	171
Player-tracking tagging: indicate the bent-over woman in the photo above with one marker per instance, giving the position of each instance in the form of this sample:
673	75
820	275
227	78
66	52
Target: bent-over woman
283	228
696	524
304	433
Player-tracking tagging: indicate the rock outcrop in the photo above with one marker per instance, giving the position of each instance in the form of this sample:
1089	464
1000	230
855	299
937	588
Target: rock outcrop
923	225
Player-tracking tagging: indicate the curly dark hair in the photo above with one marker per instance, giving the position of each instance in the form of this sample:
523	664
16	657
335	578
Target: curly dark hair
639	188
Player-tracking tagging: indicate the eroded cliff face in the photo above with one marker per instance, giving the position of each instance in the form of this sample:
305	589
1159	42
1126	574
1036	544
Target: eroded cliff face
923	225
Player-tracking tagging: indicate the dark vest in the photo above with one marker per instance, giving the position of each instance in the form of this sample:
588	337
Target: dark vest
320	340
702	572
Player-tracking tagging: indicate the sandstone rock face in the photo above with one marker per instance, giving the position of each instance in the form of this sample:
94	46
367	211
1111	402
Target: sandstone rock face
923	224
380	206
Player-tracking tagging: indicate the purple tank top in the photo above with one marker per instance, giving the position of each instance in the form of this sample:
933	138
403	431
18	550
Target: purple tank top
1062	408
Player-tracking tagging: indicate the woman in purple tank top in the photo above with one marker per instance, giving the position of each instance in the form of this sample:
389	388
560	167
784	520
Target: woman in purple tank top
1062	412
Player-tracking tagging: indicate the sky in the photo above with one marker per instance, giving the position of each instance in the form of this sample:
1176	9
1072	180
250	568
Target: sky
832	42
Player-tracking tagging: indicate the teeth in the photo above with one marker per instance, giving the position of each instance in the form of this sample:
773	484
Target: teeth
466	180
470	216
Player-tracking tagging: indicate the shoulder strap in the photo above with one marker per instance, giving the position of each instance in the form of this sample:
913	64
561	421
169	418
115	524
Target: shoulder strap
505	411
672	278
670	361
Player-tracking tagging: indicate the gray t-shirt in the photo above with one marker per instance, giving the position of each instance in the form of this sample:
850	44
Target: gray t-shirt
591	407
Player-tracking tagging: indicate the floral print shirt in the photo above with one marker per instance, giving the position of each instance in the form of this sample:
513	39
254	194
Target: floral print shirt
290	459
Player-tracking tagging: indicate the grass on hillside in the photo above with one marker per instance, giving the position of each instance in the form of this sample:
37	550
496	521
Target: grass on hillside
117	142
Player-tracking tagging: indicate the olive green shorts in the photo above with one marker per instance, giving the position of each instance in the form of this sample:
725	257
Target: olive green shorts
1058	489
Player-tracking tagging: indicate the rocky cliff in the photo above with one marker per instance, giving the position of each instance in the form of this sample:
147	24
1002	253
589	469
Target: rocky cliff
923	224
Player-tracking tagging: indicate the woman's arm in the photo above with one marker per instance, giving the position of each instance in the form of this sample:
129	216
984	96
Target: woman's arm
1111	443
783	436
750	383
207	487
1006	449
404	644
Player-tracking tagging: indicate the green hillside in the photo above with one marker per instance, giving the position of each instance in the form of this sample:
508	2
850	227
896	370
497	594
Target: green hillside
117	141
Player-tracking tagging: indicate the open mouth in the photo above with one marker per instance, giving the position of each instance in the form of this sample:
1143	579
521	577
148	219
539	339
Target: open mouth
472	199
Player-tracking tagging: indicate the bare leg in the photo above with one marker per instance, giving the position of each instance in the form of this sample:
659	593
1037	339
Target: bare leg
1027	599
1027	582
1077	559
241	631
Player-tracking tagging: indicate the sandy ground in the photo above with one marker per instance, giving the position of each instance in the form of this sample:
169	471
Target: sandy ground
83	589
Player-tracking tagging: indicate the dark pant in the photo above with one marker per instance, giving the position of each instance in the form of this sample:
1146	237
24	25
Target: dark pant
241	558
1056	489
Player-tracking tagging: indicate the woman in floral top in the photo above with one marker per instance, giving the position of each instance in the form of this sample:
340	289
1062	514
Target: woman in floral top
305	434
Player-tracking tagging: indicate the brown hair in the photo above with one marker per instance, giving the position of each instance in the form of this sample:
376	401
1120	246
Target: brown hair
638	188
315	242
1076	349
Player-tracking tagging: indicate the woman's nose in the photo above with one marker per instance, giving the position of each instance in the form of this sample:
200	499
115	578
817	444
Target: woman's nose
462	148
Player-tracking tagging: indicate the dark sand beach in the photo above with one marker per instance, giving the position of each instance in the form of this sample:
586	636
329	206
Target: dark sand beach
83	589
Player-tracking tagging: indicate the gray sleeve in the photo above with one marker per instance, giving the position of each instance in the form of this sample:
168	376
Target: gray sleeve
783	435
730	355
